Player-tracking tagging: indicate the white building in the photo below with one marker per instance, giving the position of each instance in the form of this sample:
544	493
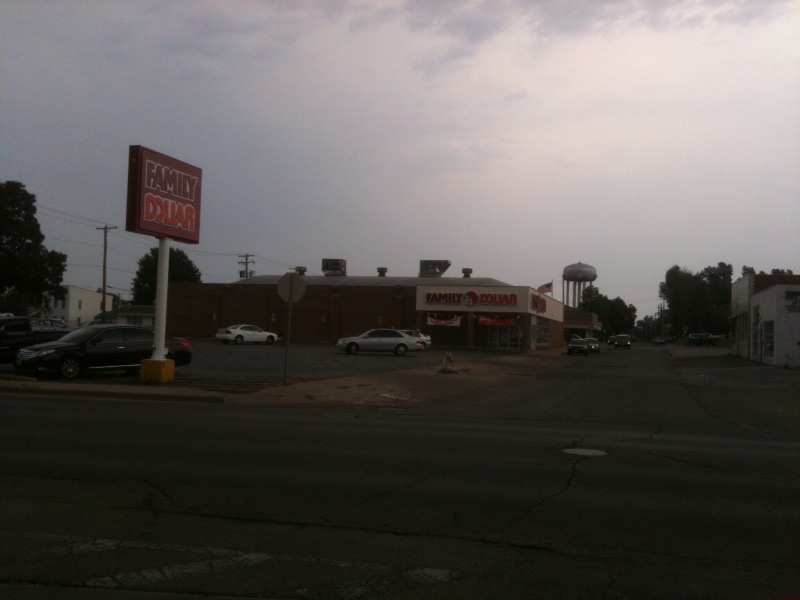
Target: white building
765	315
776	326
79	305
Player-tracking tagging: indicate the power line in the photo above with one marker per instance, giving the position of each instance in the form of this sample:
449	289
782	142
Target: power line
67	216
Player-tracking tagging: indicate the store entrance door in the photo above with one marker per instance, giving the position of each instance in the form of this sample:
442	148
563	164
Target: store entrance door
505	337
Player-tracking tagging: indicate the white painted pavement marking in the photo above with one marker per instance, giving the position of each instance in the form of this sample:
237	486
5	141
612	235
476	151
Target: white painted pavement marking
135	579
585	452
228	560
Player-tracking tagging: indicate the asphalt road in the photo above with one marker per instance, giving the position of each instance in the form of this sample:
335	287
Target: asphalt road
632	474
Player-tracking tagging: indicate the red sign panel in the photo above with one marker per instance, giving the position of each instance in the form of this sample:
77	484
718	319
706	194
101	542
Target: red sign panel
163	196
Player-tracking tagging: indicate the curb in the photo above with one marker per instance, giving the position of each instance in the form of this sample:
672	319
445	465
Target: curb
29	385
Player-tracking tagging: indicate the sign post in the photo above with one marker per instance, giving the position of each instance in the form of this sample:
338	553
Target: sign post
291	287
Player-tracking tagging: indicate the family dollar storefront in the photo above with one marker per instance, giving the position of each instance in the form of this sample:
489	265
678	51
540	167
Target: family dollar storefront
496	318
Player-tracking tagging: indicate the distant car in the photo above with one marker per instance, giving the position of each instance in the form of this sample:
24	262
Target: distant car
52	325
380	340
578	346
703	339
622	341
659	341
611	340
240	334
594	345
425	340
99	348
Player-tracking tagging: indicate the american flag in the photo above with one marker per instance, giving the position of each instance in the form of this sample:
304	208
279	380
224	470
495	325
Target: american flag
546	288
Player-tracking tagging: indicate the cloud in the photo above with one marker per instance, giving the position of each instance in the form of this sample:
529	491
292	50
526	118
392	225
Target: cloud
491	134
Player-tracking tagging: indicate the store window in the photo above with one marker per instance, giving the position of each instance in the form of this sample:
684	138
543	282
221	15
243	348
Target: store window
769	339
543	333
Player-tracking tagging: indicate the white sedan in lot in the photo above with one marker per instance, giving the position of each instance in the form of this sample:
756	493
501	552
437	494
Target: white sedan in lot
239	334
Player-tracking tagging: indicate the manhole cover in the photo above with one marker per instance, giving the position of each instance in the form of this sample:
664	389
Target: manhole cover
585	452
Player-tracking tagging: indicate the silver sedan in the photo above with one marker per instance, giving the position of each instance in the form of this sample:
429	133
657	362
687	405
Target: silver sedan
380	340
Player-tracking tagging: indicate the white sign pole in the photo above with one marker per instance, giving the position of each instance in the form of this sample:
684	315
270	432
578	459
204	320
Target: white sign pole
288	329
162	283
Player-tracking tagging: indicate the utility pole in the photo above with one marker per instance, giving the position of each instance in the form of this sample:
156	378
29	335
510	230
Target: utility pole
105	254
246	262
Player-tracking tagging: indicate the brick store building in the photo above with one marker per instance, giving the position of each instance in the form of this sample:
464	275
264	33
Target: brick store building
465	312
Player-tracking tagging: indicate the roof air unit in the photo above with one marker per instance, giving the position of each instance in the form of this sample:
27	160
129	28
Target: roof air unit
334	266
433	268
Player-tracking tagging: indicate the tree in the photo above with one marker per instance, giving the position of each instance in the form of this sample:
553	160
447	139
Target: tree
719	280
28	270
615	315
688	300
751	271
181	269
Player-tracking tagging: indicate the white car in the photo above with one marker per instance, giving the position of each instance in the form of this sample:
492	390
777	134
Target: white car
380	340
425	340
239	334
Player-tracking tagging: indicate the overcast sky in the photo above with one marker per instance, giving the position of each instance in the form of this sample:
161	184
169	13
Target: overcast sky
513	137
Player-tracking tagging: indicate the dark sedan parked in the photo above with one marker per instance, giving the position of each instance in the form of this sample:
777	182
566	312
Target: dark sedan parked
99	348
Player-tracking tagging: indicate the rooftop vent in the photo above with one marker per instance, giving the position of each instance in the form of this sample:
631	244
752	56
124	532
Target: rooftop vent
300	270
382	271
433	268
334	266
467	272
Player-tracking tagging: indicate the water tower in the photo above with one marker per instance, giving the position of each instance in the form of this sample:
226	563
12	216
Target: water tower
574	281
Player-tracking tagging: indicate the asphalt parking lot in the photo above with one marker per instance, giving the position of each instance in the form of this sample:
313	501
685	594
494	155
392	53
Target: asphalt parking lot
316	373
247	368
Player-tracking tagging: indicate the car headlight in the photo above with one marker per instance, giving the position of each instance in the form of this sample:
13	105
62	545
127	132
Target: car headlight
41	353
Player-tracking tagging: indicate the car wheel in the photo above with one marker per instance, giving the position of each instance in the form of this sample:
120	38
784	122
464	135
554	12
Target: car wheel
424	345
270	340
70	367
352	348
238	340
401	350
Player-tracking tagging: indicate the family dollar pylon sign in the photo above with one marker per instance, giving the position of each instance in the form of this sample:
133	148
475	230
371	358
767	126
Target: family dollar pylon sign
163	201
163	196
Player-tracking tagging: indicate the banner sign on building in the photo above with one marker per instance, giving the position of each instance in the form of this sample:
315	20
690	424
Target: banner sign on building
163	196
484	320
443	322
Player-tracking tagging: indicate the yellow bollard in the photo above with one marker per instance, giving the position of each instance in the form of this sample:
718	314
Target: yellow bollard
157	371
